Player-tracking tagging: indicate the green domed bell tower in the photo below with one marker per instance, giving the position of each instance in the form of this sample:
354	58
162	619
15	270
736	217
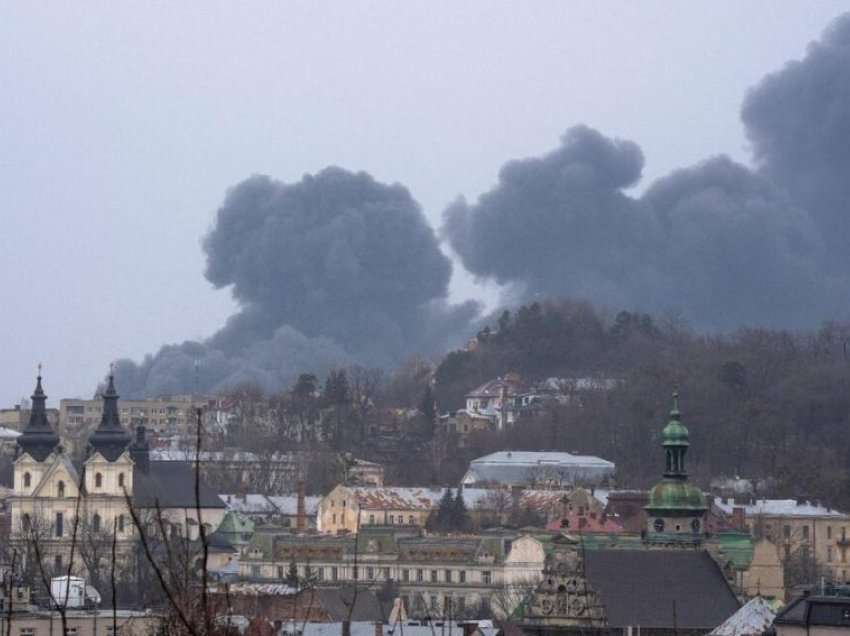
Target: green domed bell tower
676	509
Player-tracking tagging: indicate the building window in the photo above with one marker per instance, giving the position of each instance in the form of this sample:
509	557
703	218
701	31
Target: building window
460	605
320	574
392	519
60	489
95	522
120	523
786	532
462	576
448	576
419	575
371	520
280	573
386	574
411	520
27	480
25	522
370	573
98	480
334	573
334	518
434	602
805	533
60	525
829	532
447	605
356	573
433	576
405	575
486	577
57	562
120	480
829	553
255	571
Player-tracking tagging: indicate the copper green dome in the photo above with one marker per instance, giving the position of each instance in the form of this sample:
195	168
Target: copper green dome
671	495
675	433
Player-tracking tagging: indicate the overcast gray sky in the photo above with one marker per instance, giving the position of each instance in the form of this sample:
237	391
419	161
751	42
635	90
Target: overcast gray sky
122	126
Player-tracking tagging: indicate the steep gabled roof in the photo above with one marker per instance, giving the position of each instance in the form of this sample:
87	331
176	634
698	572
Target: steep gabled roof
172	484
652	588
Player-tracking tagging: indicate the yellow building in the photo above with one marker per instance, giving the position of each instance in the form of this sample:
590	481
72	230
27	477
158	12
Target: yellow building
801	530
349	508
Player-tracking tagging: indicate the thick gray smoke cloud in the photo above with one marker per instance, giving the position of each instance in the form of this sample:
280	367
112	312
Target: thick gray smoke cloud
339	268
798	121
721	244
334	269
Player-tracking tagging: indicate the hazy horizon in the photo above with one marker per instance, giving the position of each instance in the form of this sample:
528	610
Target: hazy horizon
124	128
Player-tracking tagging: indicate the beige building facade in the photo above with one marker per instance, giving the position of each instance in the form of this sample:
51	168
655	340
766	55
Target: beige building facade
801	530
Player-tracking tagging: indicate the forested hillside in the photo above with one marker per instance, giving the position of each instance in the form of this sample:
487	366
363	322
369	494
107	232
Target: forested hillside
770	405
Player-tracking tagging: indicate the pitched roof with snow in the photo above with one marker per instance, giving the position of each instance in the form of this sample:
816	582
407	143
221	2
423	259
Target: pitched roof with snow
753	619
522	467
780	508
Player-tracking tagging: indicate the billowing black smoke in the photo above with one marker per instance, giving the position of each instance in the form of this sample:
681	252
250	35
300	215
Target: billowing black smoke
334	269
717	242
339	268
798	121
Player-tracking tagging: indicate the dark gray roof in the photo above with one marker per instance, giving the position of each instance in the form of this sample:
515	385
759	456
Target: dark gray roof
173	485
829	611
640	587
337	601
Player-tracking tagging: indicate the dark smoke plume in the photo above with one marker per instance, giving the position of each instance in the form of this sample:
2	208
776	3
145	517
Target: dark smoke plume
333	269
798	120
339	268
717	242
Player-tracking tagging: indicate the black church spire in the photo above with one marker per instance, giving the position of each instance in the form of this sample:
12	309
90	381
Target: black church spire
38	439
109	438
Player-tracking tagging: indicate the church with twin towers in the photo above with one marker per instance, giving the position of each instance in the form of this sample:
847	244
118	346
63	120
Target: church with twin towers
59	502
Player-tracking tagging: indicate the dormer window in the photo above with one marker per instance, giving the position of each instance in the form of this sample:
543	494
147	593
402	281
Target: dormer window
27	480
60	489
98	480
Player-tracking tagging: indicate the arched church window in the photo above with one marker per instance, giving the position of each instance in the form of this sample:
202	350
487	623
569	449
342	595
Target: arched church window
120	480
27	480
95	522
60	489
98	480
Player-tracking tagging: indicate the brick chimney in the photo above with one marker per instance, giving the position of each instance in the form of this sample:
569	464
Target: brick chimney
738	518
301	514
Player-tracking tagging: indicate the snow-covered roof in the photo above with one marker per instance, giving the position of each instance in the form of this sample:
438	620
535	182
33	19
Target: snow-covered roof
752	619
780	508
249	504
522	467
412	628
288	504
8	434
269	504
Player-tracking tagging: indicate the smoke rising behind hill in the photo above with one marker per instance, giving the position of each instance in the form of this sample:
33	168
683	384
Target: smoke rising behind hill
340	268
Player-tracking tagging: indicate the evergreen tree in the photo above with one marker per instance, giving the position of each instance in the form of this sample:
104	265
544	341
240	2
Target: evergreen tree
445	511
292	579
460	521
